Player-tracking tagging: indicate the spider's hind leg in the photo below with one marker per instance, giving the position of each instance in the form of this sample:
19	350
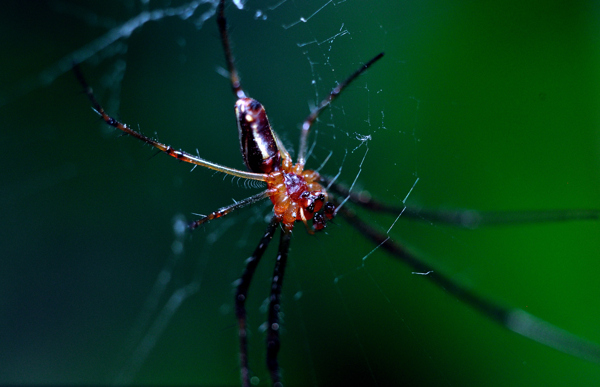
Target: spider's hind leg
242	293
273	342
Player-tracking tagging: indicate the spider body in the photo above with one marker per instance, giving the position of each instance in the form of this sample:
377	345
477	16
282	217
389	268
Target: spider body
295	193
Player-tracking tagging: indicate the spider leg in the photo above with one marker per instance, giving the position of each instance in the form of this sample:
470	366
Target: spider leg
513	319
242	293
324	103
178	154
470	219
230	208
273	343
473	219
233	74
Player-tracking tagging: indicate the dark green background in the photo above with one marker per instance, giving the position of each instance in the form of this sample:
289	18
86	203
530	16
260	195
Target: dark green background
493	106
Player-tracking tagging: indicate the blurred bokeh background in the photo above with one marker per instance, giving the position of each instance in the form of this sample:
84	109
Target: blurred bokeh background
484	106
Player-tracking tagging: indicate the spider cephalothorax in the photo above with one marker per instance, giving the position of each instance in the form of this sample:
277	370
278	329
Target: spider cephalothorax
296	195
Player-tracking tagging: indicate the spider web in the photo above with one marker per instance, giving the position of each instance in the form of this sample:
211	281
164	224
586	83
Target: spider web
101	285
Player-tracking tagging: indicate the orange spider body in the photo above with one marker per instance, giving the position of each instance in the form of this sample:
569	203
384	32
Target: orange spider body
295	193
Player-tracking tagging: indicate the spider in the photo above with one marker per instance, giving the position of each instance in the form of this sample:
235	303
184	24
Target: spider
303	195
296	193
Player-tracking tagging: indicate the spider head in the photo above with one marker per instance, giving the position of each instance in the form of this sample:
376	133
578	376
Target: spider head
312	201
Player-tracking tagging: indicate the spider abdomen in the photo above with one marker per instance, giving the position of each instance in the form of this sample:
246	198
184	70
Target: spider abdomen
257	140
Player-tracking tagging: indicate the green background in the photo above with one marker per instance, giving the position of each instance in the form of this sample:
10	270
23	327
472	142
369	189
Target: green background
492	106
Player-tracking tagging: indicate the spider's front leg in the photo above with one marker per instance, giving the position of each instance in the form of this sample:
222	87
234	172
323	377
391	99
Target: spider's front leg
469	219
513	319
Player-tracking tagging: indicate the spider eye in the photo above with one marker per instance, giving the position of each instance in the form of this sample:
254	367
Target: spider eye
319	222
329	210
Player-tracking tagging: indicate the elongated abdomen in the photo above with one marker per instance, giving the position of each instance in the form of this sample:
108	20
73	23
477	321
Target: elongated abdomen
257	140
